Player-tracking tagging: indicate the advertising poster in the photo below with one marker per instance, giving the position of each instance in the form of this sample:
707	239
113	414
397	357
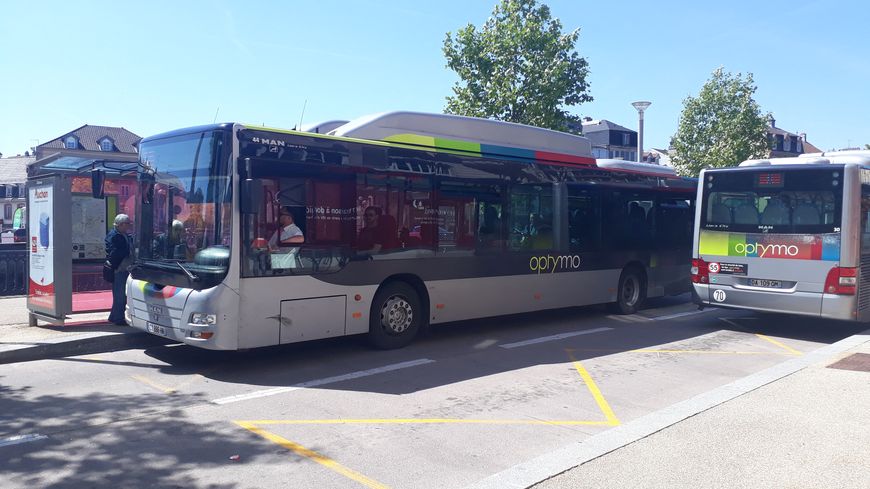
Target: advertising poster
40	244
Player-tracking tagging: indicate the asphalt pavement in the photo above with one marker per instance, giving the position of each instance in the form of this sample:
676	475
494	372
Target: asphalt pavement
801	423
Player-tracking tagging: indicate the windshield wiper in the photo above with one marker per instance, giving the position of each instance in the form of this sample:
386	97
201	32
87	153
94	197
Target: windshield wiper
187	272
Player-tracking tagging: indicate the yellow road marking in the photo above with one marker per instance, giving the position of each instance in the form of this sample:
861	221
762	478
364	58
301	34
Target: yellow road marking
193	378
261	422
708	352
612	420
781	345
254	427
312	455
153	384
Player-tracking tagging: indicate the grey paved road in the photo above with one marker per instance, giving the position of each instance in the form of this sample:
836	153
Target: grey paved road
461	404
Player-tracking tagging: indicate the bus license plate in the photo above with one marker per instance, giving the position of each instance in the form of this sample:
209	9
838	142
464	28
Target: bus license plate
770	284
157	329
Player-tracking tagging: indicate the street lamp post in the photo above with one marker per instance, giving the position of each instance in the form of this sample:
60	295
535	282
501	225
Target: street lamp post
640	106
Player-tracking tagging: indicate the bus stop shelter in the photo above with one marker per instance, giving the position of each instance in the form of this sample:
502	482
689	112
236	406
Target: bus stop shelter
66	228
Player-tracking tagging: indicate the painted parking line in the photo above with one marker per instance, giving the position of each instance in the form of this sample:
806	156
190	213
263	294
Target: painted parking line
312	455
679	315
255	426
151	383
596	393
555	337
319	382
770	340
19	439
422	421
708	352
785	347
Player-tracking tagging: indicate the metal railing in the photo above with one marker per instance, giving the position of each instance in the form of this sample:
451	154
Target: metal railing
13	271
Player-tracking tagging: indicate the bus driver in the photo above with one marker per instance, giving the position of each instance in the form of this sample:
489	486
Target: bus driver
288	233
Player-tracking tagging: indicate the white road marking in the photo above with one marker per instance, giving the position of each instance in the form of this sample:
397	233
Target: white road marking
319	382
19	439
679	315
631	318
555	337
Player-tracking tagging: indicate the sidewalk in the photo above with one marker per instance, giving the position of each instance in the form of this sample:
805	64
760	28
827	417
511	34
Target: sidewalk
83	334
801	424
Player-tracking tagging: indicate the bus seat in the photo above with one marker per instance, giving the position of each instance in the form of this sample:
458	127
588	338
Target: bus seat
807	214
721	214
746	214
775	214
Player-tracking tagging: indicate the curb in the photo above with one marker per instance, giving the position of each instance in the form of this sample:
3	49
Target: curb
84	346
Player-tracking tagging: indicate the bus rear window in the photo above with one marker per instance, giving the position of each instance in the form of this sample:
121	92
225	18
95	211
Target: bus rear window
797	201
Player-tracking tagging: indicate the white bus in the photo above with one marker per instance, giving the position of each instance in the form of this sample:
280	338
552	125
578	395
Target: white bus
787	235
249	237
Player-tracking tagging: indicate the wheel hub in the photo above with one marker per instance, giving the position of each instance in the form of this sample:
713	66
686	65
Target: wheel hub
396	315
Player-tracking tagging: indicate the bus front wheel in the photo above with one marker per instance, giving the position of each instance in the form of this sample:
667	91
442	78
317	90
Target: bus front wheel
631	291
396	316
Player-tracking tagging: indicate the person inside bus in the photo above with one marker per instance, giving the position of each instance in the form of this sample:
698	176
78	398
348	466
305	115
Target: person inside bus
489	233
288	233
171	244
370	239
542	237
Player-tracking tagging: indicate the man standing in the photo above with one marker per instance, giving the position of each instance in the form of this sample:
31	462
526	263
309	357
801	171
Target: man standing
118	254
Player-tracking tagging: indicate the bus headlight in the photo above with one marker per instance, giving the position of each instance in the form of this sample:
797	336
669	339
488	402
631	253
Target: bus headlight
203	319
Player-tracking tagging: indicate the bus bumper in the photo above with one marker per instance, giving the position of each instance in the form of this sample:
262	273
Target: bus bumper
815	304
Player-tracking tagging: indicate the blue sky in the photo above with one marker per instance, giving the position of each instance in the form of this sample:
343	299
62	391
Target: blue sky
155	66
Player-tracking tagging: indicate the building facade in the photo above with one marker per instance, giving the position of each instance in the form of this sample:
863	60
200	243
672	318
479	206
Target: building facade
610	140
89	142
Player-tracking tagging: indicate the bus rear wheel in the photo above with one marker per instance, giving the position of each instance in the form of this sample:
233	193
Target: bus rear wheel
631	291
396	316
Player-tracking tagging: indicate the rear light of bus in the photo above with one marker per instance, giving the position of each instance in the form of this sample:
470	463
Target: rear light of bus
700	272
842	281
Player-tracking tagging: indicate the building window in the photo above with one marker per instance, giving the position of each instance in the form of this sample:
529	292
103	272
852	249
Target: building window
626	139
787	144
106	145
71	143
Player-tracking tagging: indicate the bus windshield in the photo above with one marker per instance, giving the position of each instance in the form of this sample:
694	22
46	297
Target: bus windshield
780	201
184	227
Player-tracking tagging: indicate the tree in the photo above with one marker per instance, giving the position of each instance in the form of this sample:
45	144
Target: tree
519	67
867	146
720	127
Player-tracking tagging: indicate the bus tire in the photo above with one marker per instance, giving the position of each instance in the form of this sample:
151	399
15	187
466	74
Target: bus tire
396	316
631	291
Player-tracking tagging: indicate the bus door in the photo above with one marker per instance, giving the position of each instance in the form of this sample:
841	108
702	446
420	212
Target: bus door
769	237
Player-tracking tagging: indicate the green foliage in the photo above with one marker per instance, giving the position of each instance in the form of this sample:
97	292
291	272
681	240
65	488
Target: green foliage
867	146
519	67
721	127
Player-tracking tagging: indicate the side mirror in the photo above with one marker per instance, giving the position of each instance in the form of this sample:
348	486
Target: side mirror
98	179
252	196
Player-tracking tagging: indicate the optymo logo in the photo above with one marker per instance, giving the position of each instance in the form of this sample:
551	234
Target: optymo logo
550	263
766	251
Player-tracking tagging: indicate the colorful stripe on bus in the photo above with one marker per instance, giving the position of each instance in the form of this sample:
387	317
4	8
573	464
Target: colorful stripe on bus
489	149
150	289
798	247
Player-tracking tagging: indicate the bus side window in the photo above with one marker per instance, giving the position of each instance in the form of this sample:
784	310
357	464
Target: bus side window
584	231
531	217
